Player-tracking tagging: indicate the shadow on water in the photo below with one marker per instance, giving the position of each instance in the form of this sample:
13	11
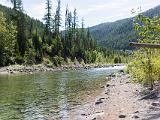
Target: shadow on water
47	95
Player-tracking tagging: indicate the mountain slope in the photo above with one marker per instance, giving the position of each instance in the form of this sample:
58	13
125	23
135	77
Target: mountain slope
31	23
116	35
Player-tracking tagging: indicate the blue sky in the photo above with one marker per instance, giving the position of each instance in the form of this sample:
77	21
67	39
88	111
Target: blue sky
93	11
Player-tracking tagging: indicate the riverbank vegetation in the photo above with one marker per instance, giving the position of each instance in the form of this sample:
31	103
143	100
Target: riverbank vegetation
145	65
25	40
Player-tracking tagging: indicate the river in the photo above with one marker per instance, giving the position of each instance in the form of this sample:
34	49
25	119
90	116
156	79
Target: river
43	96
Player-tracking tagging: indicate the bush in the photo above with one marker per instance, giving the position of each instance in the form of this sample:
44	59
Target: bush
19	59
29	57
139	69
57	61
76	61
88	57
100	58
117	60
47	62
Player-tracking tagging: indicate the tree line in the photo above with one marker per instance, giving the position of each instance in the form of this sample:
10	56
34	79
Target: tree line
29	41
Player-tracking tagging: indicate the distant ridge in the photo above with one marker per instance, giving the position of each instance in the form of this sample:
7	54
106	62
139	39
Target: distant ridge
116	35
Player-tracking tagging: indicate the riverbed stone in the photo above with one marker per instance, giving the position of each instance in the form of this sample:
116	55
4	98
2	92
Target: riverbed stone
122	116
107	85
99	101
94	119
83	114
135	116
136	112
155	104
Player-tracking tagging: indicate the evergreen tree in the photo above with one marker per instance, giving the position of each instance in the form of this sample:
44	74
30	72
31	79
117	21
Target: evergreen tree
66	23
82	35
48	21
17	5
58	18
75	23
20	21
21	34
7	41
48	16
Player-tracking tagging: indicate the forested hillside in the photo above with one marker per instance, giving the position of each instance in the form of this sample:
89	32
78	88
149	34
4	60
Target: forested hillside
116	35
25	40
31	23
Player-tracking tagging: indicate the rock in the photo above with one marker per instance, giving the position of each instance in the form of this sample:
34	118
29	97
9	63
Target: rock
122	116
135	116
107	85
136	112
128	82
11	72
121	71
154	108
101	99
102	86
155	104
98	102
112	75
83	114
94	119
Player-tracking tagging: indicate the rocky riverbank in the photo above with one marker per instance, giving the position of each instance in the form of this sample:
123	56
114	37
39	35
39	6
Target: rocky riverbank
41	68
119	99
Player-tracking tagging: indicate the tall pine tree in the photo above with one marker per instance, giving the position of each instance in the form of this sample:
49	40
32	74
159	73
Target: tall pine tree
48	20
58	18
20	21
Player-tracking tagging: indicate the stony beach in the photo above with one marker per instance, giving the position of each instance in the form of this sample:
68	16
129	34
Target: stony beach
120	99
14	69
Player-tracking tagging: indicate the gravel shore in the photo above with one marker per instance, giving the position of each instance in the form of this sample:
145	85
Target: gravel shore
14	69
119	99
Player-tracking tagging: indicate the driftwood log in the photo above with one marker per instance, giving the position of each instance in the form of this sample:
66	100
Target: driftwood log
152	95
144	45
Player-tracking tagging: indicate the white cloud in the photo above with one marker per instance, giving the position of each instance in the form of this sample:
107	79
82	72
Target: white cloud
5	3
94	11
36	11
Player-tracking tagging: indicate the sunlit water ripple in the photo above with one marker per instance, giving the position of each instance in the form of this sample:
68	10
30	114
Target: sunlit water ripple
48	95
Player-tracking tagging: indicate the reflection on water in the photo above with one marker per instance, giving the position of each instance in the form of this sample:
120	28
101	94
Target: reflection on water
47	95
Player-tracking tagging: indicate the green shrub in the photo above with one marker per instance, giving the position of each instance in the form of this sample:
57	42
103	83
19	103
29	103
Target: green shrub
58	61
117	60
76	61
47	62
19	59
139	69
100	58
29	57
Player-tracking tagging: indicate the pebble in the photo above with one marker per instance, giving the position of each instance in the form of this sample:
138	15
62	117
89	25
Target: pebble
107	85
135	116
94	119
83	114
122	116
136	112
98	102
155	104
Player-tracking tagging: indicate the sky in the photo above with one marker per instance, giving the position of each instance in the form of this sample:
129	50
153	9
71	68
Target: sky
93	11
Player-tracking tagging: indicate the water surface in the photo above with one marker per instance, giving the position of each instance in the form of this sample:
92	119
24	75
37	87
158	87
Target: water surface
48	95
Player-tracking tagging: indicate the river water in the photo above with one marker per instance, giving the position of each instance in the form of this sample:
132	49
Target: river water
43	96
